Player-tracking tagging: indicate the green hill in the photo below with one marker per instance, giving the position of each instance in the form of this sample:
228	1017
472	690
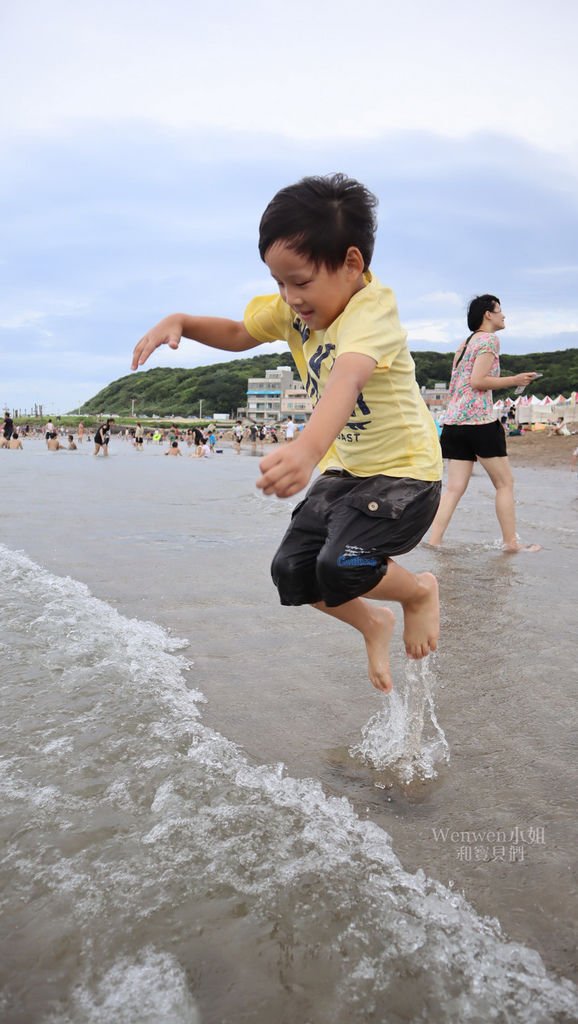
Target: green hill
222	387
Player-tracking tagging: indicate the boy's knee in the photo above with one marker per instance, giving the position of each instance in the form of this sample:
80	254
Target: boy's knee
343	576
296	586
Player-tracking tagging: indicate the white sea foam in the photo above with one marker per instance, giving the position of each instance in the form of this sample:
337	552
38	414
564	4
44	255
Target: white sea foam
151	989
126	807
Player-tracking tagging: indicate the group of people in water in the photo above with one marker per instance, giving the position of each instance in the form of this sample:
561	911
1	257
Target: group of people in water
205	442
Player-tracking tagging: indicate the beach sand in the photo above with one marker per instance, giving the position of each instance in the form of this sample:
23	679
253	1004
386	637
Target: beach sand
537	449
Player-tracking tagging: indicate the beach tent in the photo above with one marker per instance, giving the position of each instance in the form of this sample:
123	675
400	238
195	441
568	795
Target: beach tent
559	399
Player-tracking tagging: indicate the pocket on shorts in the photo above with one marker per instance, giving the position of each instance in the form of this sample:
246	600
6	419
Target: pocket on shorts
389	503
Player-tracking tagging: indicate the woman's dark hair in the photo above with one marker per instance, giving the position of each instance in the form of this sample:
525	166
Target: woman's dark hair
478	307
320	218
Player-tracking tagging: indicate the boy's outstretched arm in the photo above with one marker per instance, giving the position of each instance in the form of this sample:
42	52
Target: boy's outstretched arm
216	332
288	469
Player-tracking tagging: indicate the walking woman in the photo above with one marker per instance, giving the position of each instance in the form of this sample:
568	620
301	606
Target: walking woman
471	431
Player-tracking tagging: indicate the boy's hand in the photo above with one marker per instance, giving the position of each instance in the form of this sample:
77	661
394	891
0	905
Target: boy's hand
287	470
167	332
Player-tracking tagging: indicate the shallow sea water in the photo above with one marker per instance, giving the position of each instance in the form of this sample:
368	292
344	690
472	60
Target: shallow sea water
209	814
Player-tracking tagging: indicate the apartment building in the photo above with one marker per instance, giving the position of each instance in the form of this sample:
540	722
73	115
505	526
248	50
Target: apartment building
274	397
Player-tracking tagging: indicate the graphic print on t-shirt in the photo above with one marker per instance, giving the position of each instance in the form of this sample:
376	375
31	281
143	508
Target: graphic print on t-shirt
323	353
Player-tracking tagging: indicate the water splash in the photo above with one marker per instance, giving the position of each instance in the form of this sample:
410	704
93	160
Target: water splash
405	735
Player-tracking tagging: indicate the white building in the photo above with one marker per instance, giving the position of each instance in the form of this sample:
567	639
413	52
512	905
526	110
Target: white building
270	399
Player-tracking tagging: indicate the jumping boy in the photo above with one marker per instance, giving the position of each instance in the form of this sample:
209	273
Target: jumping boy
370	432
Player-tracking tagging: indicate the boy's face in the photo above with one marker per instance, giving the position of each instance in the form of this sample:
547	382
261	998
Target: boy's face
318	295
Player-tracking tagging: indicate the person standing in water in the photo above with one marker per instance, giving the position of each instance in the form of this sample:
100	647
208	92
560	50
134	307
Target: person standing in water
102	437
8	426
471	431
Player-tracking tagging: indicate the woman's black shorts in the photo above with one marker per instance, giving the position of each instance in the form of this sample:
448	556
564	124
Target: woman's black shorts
342	534
466	442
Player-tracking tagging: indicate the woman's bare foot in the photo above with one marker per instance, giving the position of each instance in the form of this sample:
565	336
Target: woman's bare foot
515	548
421	618
377	634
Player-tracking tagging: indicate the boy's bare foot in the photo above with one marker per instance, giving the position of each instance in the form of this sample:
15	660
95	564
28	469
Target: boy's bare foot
377	635
422	618
514	549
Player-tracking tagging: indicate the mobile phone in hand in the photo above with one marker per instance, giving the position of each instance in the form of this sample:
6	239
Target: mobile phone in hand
522	387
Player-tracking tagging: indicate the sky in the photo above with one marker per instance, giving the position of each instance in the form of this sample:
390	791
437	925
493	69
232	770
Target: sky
143	140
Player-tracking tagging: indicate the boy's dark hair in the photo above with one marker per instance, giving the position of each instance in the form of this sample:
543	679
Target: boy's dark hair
477	308
320	218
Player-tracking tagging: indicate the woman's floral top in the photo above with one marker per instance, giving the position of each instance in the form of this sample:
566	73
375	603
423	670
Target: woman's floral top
467	404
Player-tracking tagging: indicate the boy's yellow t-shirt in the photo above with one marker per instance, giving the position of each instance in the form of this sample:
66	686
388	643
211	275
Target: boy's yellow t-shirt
391	431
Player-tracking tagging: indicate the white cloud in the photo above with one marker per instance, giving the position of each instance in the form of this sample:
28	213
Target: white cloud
440	332
312	71
535	323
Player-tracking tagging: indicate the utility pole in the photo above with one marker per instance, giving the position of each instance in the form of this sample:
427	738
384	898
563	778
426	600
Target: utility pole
201	400
133	400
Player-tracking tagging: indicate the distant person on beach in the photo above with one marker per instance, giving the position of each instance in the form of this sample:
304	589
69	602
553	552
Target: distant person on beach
71	443
52	442
471	431
290	429
80	432
15	441
203	451
7	426
138	437
370	431
559	428
238	433
49	430
102	437
174	449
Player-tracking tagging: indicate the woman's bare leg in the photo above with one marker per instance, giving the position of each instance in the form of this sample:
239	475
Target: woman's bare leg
459	474
500	474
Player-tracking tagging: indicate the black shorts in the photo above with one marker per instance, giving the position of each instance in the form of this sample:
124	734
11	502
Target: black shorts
466	442
342	534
